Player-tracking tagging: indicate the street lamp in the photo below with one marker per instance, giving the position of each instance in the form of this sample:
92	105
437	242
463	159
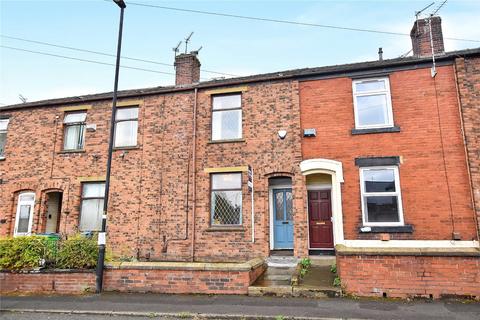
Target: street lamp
101	235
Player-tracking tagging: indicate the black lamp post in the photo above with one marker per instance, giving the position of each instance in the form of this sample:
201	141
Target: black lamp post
101	235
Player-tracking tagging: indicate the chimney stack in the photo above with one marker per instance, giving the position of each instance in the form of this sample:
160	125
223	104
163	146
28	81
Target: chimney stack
187	69
420	36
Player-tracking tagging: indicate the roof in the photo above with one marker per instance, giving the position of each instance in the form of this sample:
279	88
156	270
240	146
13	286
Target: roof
326	71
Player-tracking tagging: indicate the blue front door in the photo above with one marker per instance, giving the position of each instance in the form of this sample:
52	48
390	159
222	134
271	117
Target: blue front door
282	219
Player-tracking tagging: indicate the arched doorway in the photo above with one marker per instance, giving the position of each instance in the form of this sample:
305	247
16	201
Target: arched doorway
324	202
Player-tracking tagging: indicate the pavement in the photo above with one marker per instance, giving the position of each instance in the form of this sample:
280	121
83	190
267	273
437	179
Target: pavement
147	306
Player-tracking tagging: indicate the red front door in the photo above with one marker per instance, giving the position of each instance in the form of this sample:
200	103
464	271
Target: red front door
320	223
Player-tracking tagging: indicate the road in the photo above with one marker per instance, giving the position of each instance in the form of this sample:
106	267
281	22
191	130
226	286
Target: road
148	306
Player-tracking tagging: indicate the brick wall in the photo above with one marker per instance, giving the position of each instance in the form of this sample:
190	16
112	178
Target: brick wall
426	181
410	276
134	280
468	76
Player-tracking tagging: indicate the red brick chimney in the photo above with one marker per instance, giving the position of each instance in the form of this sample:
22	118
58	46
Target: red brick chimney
187	68
420	36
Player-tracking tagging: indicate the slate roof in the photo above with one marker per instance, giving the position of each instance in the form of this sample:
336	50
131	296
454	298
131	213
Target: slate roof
334	70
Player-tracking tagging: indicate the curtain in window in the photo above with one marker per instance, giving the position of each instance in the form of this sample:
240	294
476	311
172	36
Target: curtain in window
92	206
91	215
126	134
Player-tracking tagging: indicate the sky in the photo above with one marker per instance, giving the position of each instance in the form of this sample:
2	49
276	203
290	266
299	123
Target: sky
229	45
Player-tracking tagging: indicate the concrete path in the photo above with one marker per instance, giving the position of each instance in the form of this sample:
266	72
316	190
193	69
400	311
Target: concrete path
229	307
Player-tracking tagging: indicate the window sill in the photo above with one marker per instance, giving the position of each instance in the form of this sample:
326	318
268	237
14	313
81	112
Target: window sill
376	130
71	151
387	229
225	141
226	229
2	158
126	148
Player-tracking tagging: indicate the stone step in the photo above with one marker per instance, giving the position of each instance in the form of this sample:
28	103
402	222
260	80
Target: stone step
275	270
320	261
278	291
284	277
287	262
316	292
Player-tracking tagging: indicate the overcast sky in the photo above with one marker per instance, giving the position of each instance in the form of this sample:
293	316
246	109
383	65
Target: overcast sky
230	45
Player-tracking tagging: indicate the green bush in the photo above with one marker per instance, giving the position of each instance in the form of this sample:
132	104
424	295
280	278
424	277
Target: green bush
77	252
33	252
24	253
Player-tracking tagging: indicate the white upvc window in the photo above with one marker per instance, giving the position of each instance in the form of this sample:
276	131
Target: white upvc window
24	216
3	136
380	196
126	127
74	130
227	117
372	103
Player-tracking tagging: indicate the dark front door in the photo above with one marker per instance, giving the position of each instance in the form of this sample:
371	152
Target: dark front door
282	219
320	222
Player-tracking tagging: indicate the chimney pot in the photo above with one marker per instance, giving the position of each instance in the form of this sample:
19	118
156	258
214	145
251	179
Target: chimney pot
187	69
420	35
380	54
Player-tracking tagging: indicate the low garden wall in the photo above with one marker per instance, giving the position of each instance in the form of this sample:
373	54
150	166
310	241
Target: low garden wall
407	273
157	277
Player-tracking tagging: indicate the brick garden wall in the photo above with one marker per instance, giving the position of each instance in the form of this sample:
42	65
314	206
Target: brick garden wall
160	280
426	181
75	282
410	276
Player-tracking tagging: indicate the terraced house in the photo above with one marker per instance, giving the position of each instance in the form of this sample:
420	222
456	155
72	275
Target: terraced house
374	162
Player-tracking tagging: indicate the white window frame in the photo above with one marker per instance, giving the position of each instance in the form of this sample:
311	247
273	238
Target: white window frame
397	193
226	110
82	198
115	145
386	91
2	155
80	123
17	216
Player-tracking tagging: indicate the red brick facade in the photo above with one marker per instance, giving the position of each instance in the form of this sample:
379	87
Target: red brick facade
160	201
434	179
468	78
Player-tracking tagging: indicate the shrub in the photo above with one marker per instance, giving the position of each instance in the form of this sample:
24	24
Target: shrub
77	252
24	253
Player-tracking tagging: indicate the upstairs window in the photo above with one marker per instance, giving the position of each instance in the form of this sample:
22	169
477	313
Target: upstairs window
226	199
372	103
381	199
93	194
227	117
74	130
126	127
3	136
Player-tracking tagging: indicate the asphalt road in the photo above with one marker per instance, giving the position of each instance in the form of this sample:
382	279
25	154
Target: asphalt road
188	306
50	316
